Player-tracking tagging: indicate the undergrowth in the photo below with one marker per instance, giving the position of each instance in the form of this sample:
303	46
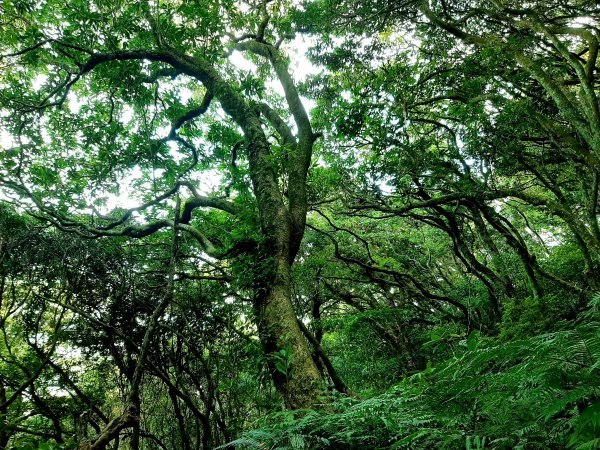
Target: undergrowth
535	393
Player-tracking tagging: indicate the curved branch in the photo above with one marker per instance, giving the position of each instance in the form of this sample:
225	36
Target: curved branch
191	114
278	123
394	274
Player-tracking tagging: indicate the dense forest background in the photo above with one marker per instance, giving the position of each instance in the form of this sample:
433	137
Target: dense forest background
328	224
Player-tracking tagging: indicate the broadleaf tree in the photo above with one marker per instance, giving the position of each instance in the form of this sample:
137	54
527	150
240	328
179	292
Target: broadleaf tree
446	175
93	92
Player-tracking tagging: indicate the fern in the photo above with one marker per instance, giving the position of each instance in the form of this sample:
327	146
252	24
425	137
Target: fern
535	393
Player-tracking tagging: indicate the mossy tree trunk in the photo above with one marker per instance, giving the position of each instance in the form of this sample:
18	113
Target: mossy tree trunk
282	219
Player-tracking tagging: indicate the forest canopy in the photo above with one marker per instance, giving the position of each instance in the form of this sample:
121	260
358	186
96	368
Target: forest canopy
318	224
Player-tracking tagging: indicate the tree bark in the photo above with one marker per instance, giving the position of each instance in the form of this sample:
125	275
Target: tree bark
297	377
282	220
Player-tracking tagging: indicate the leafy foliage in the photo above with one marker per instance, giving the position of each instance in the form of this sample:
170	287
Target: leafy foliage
541	392
319	224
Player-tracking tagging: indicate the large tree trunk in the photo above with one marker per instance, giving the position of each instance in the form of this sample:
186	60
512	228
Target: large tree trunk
291	365
282	221
293	370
